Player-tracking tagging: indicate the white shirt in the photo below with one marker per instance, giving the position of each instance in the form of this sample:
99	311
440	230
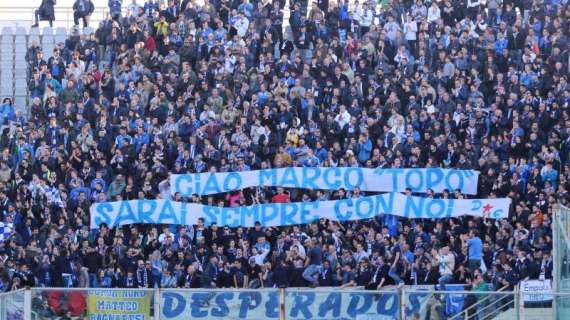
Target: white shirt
342	118
366	18
260	257
241	26
433	14
410	30
472	3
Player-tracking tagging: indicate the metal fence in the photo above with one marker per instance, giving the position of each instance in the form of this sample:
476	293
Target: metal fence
12	305
418	303
561	257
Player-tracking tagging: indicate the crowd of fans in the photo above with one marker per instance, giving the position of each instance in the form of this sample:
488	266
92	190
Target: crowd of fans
237	85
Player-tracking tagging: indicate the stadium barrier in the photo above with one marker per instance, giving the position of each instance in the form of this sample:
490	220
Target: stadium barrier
12	305
561	259
410	302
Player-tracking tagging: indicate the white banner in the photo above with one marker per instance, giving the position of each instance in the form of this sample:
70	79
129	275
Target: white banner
325	178
280	214
300	304
536	290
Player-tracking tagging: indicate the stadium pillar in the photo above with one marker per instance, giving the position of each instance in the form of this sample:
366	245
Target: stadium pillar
401	295
156	303
282	304
27	304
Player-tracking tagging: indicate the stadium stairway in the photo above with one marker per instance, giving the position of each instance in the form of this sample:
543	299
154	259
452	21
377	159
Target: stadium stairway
13	66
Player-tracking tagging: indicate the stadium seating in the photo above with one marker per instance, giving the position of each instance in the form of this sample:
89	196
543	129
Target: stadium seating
14	43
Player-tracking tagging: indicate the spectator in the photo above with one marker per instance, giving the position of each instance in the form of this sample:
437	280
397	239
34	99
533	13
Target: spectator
82	9
475	250
45	12
225	87
446	265
313	263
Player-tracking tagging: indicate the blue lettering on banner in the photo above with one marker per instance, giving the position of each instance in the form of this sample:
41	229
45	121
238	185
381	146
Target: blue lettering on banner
415	302
249	301
434	178
272	305
497	214
211	185
394	173
356	307
183	213
306	209
222	309
476	205
167	214
387	207
278	214
198	183
232	182
199	301
365	208
268	213
330	183
267	177
331	304
249	211
173	304
299	304
125	214
145	209
230	216
183	184
288	214
414	180
437	208
416	207
102	216
349	173
289	178
337	209
310	175
388	304
449	181
331	178
210	214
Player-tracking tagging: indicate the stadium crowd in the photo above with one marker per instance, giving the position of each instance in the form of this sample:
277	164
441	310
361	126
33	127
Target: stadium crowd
233	85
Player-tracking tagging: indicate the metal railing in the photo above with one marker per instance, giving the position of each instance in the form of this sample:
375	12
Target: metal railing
489	306
12	304
561	258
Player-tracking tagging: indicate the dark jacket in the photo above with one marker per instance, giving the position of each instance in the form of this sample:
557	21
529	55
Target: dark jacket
87	8
46	11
